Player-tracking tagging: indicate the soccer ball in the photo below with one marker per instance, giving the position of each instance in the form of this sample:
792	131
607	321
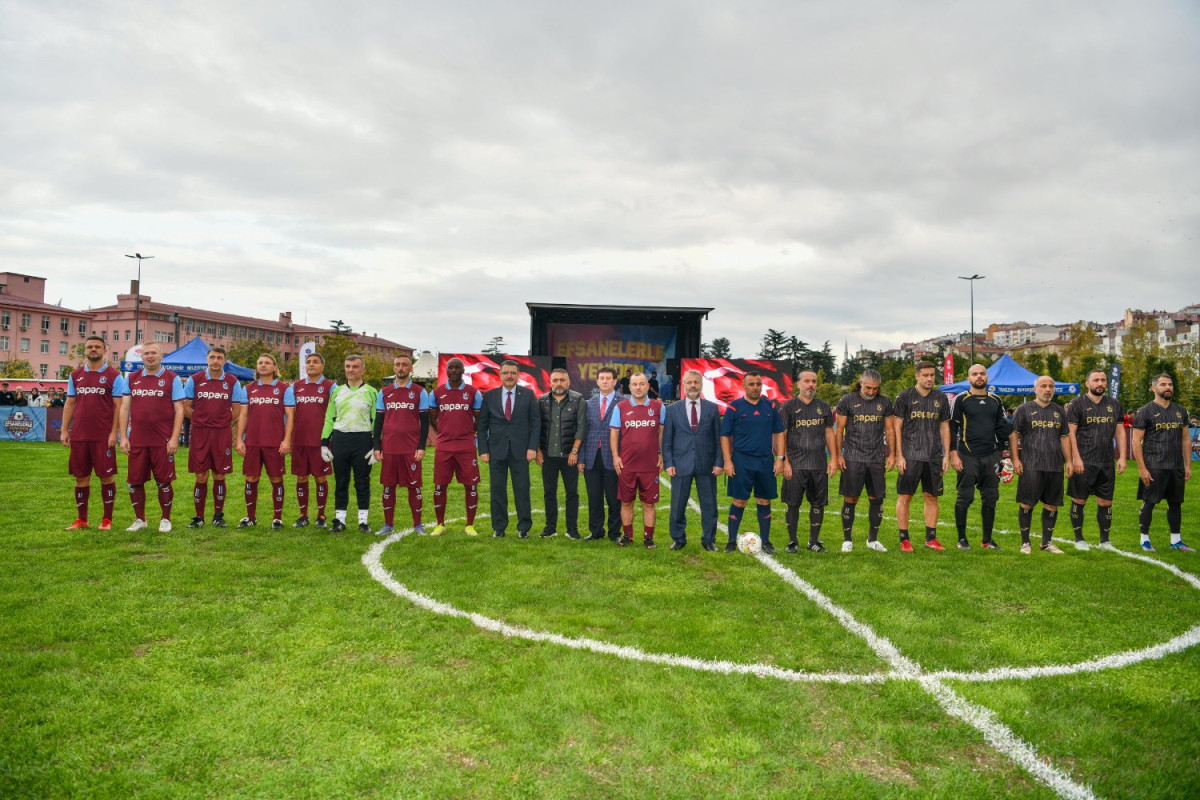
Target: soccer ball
749	543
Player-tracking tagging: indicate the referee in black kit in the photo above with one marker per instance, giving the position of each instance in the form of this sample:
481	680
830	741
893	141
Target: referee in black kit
979	429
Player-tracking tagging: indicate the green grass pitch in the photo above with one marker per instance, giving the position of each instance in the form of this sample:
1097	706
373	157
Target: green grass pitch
270	664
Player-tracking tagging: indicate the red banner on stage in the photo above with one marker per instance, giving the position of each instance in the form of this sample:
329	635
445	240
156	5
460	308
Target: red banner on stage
948	369
723	378
483	371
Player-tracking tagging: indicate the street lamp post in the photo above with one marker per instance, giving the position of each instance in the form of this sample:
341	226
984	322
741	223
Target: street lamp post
972	280
137	301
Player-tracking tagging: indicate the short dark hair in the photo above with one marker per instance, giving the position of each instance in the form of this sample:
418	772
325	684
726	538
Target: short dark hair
560	370
751	373
315	353
216	348
356	357
100	339
924	365
603	370
1159	377
1092	372
509	363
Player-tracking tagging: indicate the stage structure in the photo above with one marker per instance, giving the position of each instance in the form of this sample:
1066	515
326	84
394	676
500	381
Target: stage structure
582	339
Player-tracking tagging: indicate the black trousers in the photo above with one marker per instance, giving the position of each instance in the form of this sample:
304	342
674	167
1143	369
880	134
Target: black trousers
552	468
601	483
350	455
498	473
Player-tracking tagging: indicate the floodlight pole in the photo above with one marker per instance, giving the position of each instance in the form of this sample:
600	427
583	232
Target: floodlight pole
137	301
972	280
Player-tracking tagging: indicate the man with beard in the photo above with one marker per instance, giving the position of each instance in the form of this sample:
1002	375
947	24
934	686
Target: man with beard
213	400
310	397
454	409
563	429
1093	419
808	423
151	419
922	441
1040	445
978	428
1163	450
862	422
89	430
691	449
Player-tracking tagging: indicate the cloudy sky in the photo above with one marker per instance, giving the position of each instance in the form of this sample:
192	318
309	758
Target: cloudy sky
421	170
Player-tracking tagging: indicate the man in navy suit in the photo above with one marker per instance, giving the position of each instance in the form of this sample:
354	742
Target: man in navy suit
596	460
691	449
509	428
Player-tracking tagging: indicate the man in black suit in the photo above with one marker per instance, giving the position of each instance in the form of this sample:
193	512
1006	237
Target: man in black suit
691	450
509	428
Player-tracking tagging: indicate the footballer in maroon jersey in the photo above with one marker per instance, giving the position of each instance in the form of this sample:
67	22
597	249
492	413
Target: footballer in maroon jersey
401	431
454	409
310	397
89	429
214	401
636	439
151	418
267	439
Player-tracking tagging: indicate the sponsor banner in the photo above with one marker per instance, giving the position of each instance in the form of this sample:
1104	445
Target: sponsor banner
23	423
54	424
624	348
1114	380
483	371
723	378
948	369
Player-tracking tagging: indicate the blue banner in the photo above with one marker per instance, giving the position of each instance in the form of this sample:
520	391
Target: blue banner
22	424
1114	380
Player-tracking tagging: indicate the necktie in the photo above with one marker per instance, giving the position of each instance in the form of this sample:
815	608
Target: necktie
603	410
695	418
508	405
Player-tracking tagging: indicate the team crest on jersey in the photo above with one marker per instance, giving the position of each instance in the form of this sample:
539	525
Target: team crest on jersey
103	379
320	390
162	382
226	451
275	390
412	466
224	385
879	406
466	396
1108	409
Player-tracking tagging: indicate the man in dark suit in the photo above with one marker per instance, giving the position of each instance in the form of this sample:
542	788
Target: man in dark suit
596	460
691	450
509	428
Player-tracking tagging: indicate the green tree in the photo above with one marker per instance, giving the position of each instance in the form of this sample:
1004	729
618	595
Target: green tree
720	348
823	361
245	352
334	349
827	390
1054	366
775	345
18	368
1139	361
1081	353
1186	358
340	328
495	346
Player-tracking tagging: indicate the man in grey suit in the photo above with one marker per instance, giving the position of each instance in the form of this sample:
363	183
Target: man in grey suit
691	450
509	428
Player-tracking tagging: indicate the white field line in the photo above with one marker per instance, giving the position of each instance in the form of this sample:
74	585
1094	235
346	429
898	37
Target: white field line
984	720
372	561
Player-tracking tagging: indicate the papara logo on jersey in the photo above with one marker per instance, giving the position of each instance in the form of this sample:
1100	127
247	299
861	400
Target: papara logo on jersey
147	392
394	406
863	419
1089	420
1043	423
211	396
641	423
91	390
924	415
264	401
308	398
807	423
455	407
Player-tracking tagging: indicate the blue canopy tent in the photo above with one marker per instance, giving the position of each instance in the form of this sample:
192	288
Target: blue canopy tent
1008	377
190	359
